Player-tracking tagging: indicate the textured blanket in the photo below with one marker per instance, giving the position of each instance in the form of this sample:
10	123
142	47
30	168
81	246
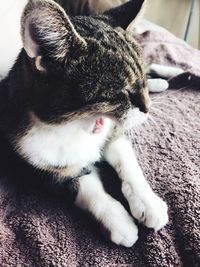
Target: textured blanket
39	228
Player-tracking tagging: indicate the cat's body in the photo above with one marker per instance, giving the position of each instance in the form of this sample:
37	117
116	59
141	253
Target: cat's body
75	84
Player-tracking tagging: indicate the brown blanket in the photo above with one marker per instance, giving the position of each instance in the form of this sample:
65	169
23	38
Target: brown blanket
41	229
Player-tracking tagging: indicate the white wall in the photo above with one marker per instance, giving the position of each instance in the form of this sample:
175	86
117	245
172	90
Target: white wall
173	15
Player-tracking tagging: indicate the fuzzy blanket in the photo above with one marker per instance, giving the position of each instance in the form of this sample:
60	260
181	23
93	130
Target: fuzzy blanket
42	229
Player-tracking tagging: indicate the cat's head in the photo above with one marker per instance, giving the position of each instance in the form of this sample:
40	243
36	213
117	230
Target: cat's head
83	66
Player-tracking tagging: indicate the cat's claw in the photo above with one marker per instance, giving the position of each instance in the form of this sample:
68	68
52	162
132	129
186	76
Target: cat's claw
148	208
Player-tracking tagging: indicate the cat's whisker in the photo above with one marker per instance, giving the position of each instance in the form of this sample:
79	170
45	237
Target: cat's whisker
134	139
164	100
143	138
157	111
161	108
166	103
170	92
131	136
160	97
145	125
181	126
139	154
155	123
137	136
161	112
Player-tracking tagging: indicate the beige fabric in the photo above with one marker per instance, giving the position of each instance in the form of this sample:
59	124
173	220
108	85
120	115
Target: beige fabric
102	5
173	15
92	6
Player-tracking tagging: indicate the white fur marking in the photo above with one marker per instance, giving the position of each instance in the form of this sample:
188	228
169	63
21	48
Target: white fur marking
134	117
107	210
163	71
145	205
63	145
157	85
147	208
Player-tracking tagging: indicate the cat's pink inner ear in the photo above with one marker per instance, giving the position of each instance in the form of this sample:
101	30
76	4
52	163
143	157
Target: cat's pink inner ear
99	125
30	46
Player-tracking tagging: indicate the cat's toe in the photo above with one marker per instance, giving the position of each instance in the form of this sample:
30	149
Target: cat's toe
148	208
152	212
120	226
125	235
156	215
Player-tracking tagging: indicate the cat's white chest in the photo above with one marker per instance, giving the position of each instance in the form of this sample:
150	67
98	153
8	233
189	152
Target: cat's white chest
62	145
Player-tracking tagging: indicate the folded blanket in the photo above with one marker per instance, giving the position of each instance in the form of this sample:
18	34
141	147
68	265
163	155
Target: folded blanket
38	228
162	47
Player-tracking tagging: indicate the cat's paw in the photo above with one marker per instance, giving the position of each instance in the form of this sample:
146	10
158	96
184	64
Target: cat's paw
120	225
125	234
148	208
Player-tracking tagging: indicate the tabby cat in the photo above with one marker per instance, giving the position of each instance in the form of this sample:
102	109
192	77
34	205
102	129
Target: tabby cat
78	81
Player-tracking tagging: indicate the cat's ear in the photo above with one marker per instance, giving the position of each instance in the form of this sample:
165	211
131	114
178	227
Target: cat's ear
125	14
47	31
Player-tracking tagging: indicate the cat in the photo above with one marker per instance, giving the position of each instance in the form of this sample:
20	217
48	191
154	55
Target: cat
76	84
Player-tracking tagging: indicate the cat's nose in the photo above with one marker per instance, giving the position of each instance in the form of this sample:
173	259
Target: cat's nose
140	100
145	105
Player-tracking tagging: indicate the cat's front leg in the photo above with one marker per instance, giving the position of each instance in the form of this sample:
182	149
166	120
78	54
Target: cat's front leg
145	205
92	197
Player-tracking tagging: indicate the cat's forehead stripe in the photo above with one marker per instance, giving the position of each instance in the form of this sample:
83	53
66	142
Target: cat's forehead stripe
116	41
